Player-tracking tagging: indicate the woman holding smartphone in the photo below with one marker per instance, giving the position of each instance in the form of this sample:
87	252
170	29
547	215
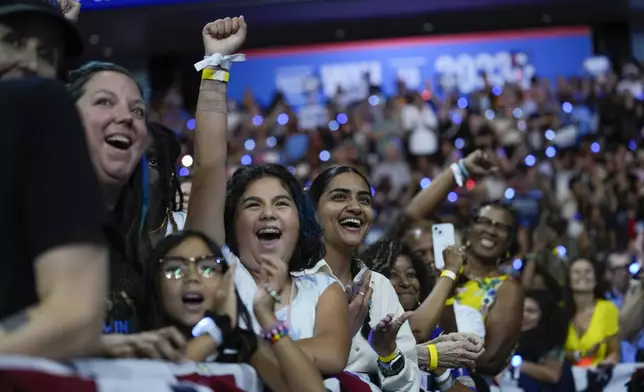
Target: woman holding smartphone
480	285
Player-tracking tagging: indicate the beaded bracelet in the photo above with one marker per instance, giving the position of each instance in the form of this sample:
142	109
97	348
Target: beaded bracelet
275	333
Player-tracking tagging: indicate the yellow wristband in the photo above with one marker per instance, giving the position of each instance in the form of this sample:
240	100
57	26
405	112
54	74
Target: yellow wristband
389	357
433	356
218	75
448	274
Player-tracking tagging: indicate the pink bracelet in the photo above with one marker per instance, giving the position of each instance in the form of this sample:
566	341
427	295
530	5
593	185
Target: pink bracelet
275	333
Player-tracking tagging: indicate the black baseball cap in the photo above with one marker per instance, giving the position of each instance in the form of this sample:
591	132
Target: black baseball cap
71	36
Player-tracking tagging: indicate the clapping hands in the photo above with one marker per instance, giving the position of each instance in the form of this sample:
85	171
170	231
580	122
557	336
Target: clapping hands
359	296
383	336
272	280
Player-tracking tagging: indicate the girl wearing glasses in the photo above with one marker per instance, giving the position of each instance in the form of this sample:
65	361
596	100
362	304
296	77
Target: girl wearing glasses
191	284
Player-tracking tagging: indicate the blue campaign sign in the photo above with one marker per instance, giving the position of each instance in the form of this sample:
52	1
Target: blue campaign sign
456	62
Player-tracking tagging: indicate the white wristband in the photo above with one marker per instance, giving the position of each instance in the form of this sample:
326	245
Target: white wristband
447	385
458	174
219	60
209	327
443	377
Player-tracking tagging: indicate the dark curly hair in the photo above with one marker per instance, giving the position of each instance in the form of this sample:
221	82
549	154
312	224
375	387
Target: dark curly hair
310	247
164	152
383	255
244	341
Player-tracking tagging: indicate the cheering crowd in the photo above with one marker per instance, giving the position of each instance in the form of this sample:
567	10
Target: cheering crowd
273	265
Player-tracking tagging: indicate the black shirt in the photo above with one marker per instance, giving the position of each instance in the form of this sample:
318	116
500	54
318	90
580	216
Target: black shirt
126	298
50	195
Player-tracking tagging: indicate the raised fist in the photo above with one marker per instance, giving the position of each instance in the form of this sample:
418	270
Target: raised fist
224	36
70	9
479	164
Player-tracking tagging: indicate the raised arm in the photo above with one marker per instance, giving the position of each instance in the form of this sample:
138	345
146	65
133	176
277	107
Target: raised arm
208	194
426	317
477	164
631	317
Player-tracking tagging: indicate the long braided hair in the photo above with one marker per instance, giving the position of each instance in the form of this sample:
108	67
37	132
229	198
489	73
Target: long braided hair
163	154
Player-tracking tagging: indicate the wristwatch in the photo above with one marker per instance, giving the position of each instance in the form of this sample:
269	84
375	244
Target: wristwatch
392	368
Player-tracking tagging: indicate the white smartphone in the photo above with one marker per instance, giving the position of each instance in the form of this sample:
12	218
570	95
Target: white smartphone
442	237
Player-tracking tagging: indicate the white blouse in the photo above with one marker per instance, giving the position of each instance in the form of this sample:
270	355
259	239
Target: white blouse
299	314
362	358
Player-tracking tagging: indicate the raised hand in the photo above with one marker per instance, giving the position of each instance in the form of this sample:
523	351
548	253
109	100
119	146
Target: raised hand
358	302
70	9
275	272
383	336
479	164
225	299
454	257
224	36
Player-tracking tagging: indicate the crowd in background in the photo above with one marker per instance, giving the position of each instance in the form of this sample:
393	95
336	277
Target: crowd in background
541	183
568	156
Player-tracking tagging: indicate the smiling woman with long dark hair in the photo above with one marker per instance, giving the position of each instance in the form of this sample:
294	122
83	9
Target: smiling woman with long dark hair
343	206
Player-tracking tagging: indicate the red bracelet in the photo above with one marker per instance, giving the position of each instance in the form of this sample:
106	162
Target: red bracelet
275	333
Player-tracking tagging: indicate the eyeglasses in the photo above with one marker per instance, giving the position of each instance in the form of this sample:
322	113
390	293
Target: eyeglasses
489	223
176	267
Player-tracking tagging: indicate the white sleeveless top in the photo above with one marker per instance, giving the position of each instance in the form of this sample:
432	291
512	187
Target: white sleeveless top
300	313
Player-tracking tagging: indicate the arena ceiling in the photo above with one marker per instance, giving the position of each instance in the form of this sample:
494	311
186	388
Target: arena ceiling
128	27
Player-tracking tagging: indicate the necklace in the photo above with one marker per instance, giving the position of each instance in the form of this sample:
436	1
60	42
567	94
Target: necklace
162	224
